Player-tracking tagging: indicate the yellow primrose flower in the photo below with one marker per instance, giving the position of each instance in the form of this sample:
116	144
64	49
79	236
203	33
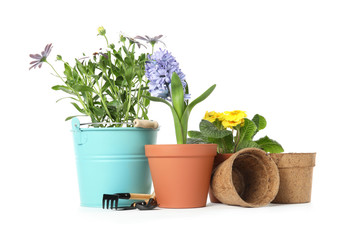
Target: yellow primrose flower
236	115
101	31
233	118
210	116
230	124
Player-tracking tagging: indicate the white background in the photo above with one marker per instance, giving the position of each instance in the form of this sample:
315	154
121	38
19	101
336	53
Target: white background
290	61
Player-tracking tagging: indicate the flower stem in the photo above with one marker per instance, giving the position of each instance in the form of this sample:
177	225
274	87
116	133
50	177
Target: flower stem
106	40
237	139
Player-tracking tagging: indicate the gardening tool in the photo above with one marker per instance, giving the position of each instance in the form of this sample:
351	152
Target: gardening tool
136	123
111	201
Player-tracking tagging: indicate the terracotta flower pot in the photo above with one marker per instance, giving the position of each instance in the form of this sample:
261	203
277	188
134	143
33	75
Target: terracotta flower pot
181	173
219	158
295	170
249	178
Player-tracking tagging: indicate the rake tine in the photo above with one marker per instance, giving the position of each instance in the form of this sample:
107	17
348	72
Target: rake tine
112	202
104	200
107	205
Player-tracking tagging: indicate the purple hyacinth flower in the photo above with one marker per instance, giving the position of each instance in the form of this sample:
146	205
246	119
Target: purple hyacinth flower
159	69
40	58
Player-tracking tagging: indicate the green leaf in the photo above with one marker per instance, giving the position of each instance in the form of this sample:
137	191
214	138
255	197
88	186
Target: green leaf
146	101
247	130
195	134
129	75
63	88
209	130
187	111
229	143
260	122
195	141
118	56
83	88
75	75
115	103
81	68
66	98
98	111
78	108
247	144
225	144
269	145
177	94
68	72
178	126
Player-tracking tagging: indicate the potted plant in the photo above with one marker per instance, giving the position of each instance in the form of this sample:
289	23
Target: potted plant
107	86
232	131
180	172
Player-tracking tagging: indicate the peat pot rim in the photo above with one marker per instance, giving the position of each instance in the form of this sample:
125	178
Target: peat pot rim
294	160
294	153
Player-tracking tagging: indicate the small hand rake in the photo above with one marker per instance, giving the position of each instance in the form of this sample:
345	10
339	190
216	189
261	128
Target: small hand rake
111	201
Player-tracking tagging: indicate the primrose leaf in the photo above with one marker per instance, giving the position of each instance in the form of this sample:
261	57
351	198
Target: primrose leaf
247	144
269	145
209	130
225	144
247	130
195	134
195	141
260	122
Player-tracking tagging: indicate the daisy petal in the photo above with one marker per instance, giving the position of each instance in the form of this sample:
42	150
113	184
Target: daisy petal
35	56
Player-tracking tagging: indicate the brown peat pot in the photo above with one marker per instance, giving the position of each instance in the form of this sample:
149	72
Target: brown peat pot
295	170
249	178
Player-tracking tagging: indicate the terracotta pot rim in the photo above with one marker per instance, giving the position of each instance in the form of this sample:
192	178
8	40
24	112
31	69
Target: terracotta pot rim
180	150
182	144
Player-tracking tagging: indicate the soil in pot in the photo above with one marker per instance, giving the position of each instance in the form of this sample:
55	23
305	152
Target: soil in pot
181	173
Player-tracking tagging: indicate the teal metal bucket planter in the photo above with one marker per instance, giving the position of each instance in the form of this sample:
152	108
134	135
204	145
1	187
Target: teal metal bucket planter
111	160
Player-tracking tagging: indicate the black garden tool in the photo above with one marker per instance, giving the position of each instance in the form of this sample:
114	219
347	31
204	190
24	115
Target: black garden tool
111	201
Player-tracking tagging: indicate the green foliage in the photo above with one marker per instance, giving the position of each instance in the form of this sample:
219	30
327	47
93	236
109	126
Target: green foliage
109	86
209	130
247	131
180	108
269	145
228	142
